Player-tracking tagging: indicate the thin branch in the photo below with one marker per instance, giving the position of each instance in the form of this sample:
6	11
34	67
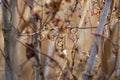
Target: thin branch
62	70
40	53
84	13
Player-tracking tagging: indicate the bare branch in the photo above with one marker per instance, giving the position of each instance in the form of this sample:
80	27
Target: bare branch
97	40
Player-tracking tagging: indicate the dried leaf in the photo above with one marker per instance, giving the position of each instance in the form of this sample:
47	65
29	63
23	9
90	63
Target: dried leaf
29	52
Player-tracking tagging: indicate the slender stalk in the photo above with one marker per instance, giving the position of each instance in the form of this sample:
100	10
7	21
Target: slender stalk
49	53
118	26
65	63
97	40
84	13
118	57
34	40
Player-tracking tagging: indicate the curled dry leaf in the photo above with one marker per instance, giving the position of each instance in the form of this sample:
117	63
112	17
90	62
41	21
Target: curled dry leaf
30	51
62	53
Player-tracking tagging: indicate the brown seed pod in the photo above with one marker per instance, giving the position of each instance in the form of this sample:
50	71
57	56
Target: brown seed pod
41	70
36	10
94	12
61	30
47	5
68	1
81	1
29	30
64	30
41	37
57	18
53	5
60	23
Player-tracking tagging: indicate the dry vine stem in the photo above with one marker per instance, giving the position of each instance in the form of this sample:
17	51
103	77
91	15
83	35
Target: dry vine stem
62	69
84	13
97	41
118	25
106	51
115	62
49	53
107	58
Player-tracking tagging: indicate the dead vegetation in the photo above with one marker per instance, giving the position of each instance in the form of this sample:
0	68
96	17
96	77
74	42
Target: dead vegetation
59	40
